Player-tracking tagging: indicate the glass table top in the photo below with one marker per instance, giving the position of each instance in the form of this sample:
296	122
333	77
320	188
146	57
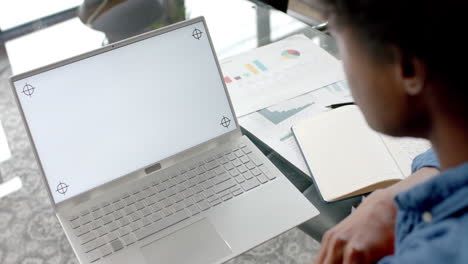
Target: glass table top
14	13
235	27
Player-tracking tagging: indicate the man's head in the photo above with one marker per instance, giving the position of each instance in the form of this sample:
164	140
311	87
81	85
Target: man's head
400	60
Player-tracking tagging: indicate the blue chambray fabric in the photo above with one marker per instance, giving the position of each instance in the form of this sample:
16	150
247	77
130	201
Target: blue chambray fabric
441	236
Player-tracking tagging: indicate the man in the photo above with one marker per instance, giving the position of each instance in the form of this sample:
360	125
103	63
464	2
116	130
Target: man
400	60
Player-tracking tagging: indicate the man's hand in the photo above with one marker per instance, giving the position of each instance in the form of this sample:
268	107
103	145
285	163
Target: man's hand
365	236
368	234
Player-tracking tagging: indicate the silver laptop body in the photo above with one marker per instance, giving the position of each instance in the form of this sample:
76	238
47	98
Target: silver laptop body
130	184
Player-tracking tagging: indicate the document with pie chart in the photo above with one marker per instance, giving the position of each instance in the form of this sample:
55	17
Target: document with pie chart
278	72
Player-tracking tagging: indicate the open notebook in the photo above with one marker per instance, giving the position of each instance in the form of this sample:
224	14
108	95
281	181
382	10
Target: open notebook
346	157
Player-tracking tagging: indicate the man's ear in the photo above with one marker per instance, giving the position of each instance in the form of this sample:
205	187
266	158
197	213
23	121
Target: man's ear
413	74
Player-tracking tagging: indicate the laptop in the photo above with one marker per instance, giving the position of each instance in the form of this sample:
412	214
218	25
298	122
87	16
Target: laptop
143	156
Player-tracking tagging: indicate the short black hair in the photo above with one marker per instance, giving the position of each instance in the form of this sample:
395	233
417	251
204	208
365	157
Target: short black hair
429	30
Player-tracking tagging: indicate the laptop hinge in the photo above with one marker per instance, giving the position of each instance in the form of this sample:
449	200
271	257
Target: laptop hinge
105	189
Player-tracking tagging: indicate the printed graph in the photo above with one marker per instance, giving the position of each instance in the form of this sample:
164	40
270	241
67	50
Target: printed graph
339	89
277	117
254	68
290	54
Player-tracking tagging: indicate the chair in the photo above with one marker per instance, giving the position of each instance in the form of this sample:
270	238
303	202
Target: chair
120	19
281	5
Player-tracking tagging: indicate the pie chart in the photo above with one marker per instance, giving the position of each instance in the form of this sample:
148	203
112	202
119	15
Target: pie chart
290	54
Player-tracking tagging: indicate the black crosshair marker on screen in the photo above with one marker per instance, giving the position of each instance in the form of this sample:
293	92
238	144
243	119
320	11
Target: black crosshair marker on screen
225	122
28	89
197	34
62	188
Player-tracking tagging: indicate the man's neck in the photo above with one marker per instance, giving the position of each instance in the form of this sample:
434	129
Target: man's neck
450	140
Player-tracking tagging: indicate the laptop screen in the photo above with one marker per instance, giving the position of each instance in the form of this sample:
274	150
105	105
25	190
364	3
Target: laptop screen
97	119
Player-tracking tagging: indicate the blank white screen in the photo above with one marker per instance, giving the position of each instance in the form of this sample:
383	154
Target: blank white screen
100	118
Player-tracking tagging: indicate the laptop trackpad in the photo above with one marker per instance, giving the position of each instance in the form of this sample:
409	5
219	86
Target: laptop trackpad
198	243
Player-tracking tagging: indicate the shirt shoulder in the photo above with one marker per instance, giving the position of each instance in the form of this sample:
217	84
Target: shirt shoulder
425	159
442	242
432	220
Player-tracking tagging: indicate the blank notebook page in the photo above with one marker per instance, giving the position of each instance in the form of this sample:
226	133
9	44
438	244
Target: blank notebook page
343	153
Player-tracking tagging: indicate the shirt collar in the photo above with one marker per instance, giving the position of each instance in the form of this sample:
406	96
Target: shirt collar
428	194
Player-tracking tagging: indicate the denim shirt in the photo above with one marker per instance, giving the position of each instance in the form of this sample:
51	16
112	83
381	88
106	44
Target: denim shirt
432	219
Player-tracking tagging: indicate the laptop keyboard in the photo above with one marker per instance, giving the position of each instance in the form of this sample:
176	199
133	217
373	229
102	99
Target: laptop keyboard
168	200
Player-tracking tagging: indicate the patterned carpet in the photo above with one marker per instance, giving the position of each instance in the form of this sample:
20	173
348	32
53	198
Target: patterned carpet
30	232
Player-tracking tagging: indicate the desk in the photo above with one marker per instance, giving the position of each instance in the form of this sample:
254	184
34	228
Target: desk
235	26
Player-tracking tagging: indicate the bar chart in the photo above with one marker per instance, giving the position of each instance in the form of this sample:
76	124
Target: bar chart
254	68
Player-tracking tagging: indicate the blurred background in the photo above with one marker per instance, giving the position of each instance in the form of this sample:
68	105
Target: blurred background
18	17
